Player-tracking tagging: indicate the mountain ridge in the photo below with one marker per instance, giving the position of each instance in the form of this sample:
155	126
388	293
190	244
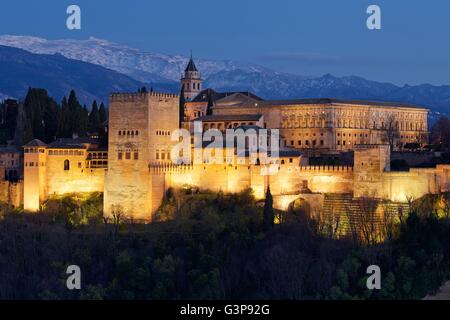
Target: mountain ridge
228	75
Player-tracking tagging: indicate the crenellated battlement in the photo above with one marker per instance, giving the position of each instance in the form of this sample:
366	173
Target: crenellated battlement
170	168
139	96
328	169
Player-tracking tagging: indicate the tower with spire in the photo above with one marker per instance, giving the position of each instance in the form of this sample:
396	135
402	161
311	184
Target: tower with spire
191	81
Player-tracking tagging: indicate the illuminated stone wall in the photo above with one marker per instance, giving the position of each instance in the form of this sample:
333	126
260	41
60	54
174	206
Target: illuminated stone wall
11	193
337	126
35	178
140	125
48	172
76	179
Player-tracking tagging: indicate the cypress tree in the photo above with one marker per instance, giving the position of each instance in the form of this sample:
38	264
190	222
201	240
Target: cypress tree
269	214
64	130
75	114
83	125
94	118
210	104
182	106
42	114
33	109
103	114
51	119
22	134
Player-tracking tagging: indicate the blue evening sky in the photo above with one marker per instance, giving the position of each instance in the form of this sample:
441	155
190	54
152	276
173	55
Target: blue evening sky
310	37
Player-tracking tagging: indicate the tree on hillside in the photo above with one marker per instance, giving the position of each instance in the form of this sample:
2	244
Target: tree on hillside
440	132
269	214
42	114
8	116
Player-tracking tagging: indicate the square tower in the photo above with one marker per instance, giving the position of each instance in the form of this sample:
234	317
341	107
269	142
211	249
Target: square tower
35	183
371	161
140	128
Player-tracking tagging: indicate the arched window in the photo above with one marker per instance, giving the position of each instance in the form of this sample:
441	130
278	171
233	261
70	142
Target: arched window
66	165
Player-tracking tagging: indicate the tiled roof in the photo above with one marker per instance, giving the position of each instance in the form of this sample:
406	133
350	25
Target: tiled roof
335	101
229	117
35	143
76	143
204	95
191	66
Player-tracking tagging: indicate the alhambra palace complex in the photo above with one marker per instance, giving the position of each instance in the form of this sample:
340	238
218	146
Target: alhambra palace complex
135	170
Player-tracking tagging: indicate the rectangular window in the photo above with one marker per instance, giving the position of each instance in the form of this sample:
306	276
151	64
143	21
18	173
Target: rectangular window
136	156
120	156
157	155
321	142
128	155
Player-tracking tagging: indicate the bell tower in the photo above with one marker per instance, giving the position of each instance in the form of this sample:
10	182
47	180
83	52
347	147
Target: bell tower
191	81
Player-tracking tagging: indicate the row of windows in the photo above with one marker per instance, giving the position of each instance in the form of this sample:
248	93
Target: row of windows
163	132
66	165
199	114
353	114
306	143
97	164
162	155
65	153
10	155
5	163
128	132
355	135
97	155
34	164
195	86
127	155
307	134
221	126
350	124
34	150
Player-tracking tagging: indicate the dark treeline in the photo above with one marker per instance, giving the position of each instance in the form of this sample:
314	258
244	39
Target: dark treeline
39	116
212	246
440	132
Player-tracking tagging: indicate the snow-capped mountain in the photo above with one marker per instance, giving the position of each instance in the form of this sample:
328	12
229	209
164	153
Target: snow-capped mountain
57	74
144	66
164	71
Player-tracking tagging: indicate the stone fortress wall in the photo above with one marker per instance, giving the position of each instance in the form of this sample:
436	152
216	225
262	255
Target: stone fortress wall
370	177
138	170
57	171
140	128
